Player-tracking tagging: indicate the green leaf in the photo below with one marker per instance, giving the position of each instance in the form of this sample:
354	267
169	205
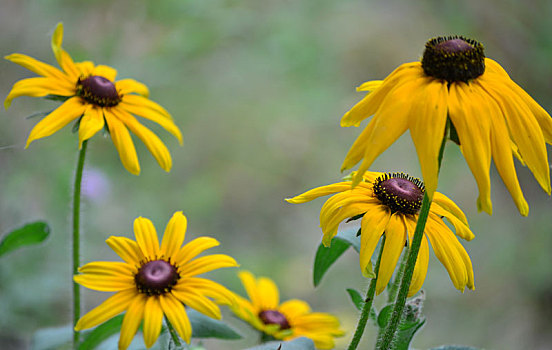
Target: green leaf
206	327
52	338
455	347
96	336
32	233
295	344
412	321
356	298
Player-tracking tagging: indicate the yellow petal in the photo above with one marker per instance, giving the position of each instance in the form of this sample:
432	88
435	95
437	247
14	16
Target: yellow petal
294	308
123	142
128	86
370	85
194	248
146	237
132	320
358	149
373	224
38	87
268	292
395	240
61	116
152	142
198	302
208	288
174	235
420	269
176	314
428	117
64	60
319	192
462	230
148	109
126	248
92	121
105	71
106	283
108	268
39	67
84	69
111	307
447	204
206	264
153	320
330	224
470	114
250	285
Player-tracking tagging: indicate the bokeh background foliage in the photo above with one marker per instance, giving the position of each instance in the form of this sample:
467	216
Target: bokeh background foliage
258	89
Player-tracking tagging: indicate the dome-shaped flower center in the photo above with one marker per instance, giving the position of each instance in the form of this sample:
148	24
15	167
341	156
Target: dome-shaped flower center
156	277
400	192
274	317
453	58
98	90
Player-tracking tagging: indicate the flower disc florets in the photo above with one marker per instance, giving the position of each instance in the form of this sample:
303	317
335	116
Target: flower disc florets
453	58
98	90
274	317
400	192
156	277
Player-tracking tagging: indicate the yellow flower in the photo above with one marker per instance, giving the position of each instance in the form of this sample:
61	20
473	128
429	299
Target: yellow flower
95	100
491	115
155	281
389	203
288	320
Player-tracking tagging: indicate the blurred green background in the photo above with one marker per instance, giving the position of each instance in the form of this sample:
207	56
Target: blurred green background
258	89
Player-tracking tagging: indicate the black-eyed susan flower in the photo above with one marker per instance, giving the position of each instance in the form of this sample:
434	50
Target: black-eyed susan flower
96	101
155	280
491	115
389	204
288	320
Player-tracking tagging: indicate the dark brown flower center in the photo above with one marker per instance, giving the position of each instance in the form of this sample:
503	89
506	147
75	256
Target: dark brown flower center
400	192
453	58
156	277
98	90
274	317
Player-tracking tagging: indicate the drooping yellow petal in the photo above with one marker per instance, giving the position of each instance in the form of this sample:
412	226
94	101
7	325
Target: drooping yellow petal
38	87
206	264
372	226
420	269
268	293
358	149
152	142
206	287
447	204
198	302
123	142
175	312
330	224
61	116
39	67
174	235
148	109
395	240
146	237
370	104
319	192
105	71
92	121
128	86
462	230
64	60
470	114
110	308
153	320
341	200
132	320
427	120
194	248
126	248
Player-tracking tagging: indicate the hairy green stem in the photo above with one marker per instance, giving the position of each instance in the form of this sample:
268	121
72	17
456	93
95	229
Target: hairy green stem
367	306
394	288
172	332
386	341
76	240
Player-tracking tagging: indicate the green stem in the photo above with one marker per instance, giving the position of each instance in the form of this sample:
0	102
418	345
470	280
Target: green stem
386	341
394	288
172	332
367	306
76	239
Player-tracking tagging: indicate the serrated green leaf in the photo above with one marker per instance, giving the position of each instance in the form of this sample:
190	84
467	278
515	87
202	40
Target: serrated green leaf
96	336
206	327
455	347
326	256
295	344
32	233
